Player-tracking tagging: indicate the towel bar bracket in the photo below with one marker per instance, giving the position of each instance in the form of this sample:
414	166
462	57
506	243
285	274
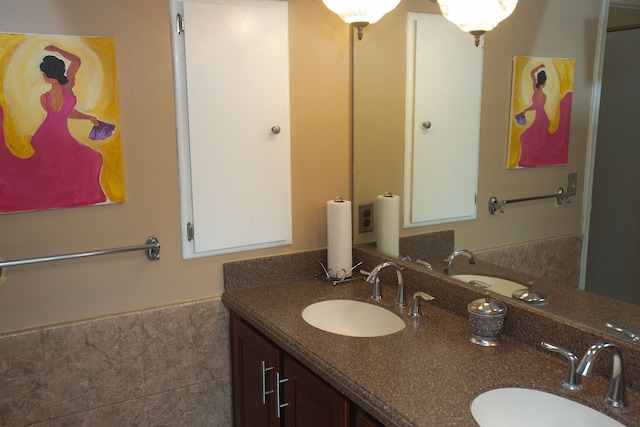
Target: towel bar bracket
153	252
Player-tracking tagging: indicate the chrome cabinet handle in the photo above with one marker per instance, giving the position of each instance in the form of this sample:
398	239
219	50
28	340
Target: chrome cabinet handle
279	405
275	129
264	382
426	125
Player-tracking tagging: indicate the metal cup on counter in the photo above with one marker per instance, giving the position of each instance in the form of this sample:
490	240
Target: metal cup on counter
486	317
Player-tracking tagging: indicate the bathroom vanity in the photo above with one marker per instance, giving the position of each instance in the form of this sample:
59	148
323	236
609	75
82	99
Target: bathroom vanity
426	374
271	388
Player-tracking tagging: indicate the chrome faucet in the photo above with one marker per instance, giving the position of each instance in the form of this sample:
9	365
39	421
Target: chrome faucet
616	393
450	258
372	278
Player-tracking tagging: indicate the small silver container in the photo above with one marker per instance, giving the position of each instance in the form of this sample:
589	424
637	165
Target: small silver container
486	318
531	296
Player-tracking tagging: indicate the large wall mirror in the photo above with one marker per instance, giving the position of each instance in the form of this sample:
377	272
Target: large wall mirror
546	29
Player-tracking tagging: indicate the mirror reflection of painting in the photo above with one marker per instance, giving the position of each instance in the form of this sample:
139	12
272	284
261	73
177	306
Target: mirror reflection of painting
541	112
56	151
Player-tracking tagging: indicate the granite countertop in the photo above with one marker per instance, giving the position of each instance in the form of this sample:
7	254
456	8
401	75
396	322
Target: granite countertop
425	375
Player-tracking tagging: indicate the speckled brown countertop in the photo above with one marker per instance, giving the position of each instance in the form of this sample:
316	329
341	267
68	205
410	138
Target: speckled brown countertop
425	375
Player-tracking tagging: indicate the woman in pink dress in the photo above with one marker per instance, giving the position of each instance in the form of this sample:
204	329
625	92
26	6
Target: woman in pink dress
61	172
539	146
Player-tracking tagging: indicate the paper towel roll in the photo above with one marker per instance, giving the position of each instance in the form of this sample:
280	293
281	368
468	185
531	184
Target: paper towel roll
339	243
388	225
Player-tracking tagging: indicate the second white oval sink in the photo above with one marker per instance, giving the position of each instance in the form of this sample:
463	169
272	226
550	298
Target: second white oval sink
352	318
500	286
523	407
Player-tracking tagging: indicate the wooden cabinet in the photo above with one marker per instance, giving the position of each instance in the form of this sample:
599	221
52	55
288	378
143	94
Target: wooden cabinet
359	418
271	388
313	402
254	362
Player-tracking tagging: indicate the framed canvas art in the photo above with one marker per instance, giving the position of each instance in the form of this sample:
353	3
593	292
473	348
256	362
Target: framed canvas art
541	95
59	125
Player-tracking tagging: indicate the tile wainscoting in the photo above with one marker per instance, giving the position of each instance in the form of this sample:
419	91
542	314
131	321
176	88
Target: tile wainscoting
556	259
170	365
163	366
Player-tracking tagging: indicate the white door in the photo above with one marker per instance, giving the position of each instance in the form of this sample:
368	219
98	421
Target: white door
237	81
443	122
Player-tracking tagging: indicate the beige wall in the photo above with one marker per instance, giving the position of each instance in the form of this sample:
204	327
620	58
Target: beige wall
320	99
562	29
70	290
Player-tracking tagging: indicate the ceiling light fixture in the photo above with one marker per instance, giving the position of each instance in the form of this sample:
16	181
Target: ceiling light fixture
477	16
361	13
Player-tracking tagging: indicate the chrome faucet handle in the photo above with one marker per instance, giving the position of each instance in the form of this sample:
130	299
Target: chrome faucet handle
616	392
424	263
572	380
415	311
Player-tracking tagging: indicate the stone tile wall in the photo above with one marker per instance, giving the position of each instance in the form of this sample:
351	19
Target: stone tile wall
170	365
163	366
556	259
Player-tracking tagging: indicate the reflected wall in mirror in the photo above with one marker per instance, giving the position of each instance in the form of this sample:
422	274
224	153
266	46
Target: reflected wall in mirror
569	29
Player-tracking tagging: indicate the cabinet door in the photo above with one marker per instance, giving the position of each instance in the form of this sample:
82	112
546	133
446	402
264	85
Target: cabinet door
231	65
442	122
311	401
360	418
254	363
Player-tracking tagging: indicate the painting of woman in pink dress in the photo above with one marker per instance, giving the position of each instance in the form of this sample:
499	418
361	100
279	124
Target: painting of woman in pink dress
540	131
60	172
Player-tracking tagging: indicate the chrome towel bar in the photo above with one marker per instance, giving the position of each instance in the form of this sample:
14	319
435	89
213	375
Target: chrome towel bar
151	247
498	206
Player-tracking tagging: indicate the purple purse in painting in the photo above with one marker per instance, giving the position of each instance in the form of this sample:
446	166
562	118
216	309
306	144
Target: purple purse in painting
521	119
101	131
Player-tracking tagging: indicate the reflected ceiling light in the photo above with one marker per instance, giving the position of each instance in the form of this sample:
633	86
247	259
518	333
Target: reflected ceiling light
477	16
360	13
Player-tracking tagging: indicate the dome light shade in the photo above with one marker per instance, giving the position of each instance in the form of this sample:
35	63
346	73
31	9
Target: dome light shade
477	16
361	13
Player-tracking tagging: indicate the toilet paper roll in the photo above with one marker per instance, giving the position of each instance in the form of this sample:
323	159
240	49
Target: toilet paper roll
339	243
388	225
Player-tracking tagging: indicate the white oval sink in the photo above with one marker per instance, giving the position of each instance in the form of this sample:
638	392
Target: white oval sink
352	318
523	407
494	284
